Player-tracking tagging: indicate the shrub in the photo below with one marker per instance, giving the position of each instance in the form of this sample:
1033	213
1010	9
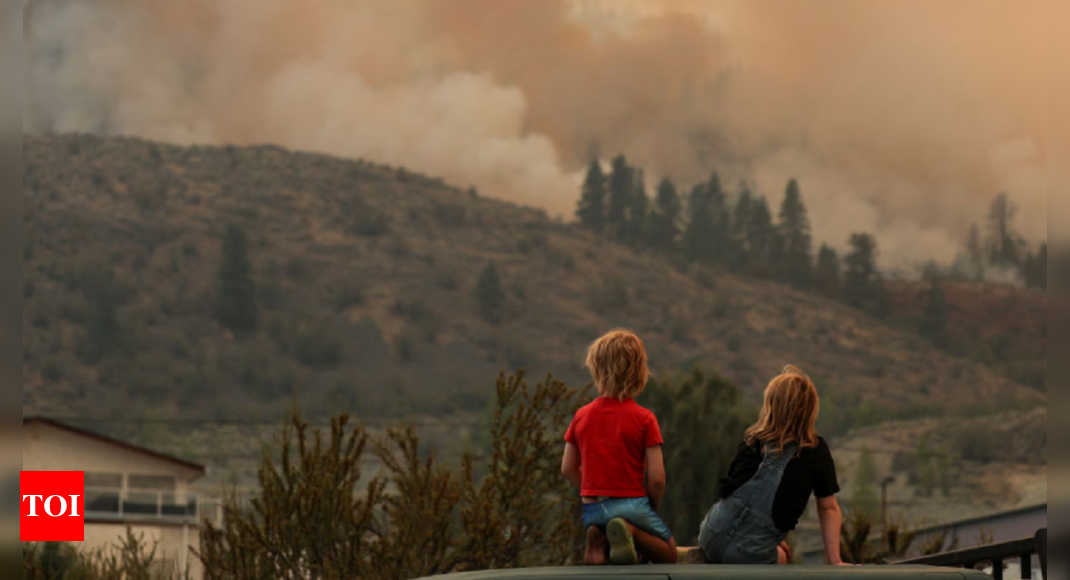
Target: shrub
236	307
490	297
52	370
405	347
310	499
315	343
704	416
610	296
976	443
369	223
346	294
451	215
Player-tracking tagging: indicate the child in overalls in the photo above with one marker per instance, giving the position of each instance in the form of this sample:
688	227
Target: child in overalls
780	464
613	454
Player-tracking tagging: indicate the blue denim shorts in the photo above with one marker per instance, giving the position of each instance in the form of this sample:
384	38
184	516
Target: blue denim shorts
635	510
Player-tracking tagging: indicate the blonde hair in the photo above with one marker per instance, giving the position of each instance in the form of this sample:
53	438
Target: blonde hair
788	414
617	363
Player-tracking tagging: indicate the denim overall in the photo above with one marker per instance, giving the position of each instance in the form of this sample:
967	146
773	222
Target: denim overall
739	529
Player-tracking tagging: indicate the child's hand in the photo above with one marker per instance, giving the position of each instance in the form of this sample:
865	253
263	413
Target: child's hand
784	547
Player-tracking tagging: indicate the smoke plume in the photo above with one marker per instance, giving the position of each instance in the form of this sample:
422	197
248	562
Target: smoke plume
900	118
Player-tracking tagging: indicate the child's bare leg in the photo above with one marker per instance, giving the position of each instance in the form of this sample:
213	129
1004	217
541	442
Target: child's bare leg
654	548
596	547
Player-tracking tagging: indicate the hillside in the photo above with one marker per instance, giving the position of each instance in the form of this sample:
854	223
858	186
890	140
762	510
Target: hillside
1002	326
365	284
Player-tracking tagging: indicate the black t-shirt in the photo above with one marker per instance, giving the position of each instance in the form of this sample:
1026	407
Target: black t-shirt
811	472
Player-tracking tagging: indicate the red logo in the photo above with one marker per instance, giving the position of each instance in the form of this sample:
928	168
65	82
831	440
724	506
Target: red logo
53	506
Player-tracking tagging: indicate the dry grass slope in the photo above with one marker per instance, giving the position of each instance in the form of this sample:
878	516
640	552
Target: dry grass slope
366	278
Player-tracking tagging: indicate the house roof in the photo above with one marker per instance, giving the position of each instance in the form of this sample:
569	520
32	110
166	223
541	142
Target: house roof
816	548
112	441
991	516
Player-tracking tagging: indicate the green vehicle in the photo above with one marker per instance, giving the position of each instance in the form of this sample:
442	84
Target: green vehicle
721	572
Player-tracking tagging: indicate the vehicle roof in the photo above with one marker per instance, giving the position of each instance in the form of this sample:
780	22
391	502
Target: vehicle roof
723	572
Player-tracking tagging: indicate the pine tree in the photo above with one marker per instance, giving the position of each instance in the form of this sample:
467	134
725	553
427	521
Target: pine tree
664	222
975	254
763	239
827	275
1035	270
638	208
1003	243
698	237
933	324
236	307
794	232
591	209
102	334
741	229
721	219
863	286
490	297
621	186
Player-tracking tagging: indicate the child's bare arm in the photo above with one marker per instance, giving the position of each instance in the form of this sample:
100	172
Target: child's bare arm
570	465
655	476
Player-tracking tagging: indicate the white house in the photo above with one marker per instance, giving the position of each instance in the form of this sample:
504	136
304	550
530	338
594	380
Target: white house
126	486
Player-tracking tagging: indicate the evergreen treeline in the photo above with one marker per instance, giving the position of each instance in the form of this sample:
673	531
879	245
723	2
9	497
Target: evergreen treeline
737	232
706	225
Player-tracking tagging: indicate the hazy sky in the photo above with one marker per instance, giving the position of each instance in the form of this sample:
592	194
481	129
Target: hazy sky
903	118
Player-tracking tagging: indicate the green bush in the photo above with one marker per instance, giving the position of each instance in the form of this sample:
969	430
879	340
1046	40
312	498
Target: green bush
310	498
370	223
490	296
314	342
703	415
346	294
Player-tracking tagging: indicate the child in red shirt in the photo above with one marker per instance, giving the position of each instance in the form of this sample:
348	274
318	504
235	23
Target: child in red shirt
613	454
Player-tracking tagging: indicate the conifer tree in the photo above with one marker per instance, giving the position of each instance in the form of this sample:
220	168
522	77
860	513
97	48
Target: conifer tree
638	208
1035	271
763	240
236	307
102	334
664	222
863	285
621	187
933	324
827	275
698	237
721	219
591	210
490	297
740	229
1005	246
794	230
975	254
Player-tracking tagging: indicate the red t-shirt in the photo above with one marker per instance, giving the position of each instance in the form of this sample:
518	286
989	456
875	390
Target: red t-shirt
613	437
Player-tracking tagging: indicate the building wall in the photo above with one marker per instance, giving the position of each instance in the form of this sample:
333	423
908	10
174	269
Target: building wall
173	542
47	448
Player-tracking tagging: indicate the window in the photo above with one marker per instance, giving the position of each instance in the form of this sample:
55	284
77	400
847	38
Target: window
151	482
103	480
